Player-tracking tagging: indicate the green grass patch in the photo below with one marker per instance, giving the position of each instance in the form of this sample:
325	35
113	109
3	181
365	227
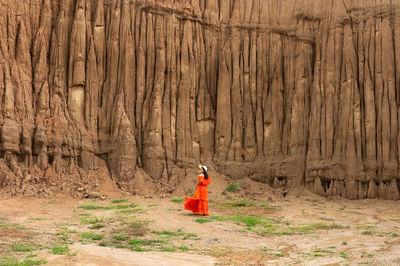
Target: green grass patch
366	227
37	219
60	250
92	236
145	242
12	261
93	207
19	227
319	250
21	248
129	211
138	249
202	220
178	200
279	254
232	187
268	226
121	237
92	220
174	248
98	207
168	233
125	206
178	233
96	226
343	255
118	201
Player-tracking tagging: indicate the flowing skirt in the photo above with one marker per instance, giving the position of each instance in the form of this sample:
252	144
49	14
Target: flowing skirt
197	206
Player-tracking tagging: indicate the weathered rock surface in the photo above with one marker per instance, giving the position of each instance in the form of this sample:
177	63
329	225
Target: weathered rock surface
290	93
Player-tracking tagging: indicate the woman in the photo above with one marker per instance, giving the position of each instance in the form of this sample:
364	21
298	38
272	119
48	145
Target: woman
199	202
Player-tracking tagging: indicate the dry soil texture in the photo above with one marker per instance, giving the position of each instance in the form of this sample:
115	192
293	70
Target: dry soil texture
307	230
290	93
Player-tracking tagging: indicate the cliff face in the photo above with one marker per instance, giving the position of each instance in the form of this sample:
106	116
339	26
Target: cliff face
292	93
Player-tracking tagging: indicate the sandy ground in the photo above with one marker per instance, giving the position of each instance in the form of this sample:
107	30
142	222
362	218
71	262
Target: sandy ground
363	232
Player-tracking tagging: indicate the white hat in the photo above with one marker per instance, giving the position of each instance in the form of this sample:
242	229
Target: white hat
205	168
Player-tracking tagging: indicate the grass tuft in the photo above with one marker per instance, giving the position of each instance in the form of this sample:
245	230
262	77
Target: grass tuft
21	248
92	220
92	236
343	255
119	201
97	226
60	250
121	237
202	220
178	200
232	187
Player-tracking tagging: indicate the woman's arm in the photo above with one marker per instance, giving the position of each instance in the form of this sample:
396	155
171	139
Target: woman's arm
200	180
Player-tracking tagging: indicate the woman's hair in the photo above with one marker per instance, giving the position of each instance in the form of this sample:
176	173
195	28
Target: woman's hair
205	173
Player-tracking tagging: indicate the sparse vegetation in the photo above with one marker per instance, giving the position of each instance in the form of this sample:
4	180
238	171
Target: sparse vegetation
178	200
21	248
366	227
121	237
119	201
174	248
322	250
368	232
92	220
135	228
98	207
343	255
37	219
129	211
202	220
232	187
60	250
92	236
96	226
124	227
177	233
12	261
268	226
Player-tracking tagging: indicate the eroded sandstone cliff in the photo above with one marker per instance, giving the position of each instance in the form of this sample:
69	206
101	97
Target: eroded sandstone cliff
291	93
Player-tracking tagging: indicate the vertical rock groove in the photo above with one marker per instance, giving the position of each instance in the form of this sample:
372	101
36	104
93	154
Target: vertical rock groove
297	94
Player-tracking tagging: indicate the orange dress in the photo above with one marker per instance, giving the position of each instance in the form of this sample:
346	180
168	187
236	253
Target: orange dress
199	202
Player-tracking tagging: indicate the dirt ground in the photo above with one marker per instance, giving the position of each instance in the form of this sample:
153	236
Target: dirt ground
245	229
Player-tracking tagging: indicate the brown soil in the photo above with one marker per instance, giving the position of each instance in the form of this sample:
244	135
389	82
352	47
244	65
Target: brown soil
368	231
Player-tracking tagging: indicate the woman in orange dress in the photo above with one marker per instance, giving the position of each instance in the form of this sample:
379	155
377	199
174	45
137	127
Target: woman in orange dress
199	202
